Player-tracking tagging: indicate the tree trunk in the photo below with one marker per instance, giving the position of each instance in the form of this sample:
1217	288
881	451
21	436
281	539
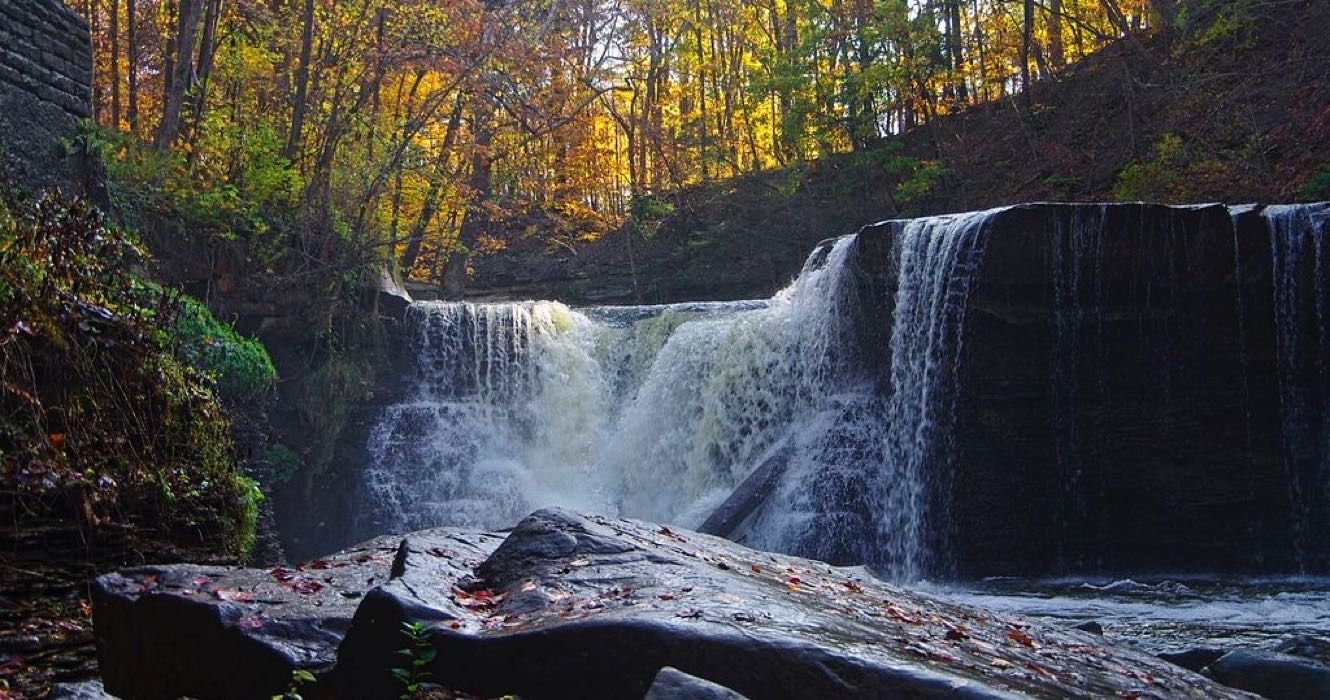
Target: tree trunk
132	63
476	219
1056	53
302	81
956	49
207	51
1027	39
431	201
115	64
181	77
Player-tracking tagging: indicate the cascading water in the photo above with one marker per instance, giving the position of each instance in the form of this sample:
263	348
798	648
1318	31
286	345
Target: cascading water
1299	238
663	412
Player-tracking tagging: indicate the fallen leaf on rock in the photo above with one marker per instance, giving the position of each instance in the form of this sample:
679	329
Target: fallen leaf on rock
306	586
481	600
250	623
200	581
442	553
853	586
1021	638
956	634
670	534
233	596
757	569
282	575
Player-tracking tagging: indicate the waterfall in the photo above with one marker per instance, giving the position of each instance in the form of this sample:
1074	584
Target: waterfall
1298	242
669	412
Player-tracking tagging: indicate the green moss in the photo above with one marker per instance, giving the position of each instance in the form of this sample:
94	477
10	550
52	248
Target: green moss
102	420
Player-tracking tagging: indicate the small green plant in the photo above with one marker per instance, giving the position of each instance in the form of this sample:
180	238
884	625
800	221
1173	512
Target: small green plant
1153	179
299	677
921	181
282	463
1317	187
646	212
419	653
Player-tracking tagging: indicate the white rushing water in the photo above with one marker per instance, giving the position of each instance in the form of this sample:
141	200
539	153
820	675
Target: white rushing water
662	412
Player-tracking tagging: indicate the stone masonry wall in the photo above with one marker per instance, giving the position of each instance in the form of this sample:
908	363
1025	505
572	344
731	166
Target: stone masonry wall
45	89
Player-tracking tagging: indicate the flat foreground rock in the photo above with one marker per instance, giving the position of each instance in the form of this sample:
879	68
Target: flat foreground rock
573	606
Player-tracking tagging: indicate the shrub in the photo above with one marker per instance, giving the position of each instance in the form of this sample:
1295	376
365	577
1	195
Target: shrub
100	420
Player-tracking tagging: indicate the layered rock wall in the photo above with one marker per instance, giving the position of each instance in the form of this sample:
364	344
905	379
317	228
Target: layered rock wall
45	89
1118	404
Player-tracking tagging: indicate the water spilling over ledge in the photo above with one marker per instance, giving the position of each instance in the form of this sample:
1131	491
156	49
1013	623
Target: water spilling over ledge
1043	389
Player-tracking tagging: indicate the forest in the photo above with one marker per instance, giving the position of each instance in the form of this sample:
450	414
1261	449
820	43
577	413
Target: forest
420	133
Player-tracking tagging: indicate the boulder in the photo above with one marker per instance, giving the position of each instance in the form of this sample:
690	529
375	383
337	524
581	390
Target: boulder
225	632
673	684
85	690
573	606
1305	646
1271	674
1192	659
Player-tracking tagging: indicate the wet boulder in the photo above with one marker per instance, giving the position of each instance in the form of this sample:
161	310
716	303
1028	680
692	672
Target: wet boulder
673	684
570	606
226	632
1271	674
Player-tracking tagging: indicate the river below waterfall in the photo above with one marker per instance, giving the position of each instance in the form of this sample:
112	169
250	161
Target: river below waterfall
1165	615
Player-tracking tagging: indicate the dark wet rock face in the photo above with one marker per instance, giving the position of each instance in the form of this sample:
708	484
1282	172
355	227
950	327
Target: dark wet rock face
221	632
1271	674
673	684
569	606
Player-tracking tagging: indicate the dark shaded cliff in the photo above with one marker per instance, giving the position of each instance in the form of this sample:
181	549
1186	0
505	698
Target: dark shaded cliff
1118	404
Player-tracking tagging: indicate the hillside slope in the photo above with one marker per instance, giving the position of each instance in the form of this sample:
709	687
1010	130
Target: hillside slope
1234	108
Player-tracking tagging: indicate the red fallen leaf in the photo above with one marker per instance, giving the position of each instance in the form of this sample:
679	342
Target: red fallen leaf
480	600
200	581
318	564
57	440
666	596
1041	671
794	581
306	586
1021	638
283	575
899	616
233	596
455	624
757	569
854	587
670	534
955	634
441	552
